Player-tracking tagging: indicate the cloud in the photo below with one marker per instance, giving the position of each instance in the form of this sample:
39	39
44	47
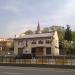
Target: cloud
21	15
19	27
62	16
65	12
10	5
9	8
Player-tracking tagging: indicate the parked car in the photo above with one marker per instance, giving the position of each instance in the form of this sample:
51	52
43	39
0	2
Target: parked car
24	56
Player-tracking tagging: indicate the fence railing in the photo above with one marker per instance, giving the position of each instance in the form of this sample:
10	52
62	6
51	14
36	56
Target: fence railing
52	60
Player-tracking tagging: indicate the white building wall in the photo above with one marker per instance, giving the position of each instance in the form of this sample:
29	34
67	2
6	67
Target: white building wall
55	44
15	47
24	46
26	49
44	51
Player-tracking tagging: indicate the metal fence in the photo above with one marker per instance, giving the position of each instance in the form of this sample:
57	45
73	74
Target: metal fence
54	60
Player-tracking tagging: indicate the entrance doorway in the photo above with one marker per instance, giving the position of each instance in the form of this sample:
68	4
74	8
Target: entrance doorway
33	51
37	51
20	50
48	51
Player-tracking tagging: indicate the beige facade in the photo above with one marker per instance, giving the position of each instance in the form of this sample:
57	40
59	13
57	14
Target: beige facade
6	46
37	44
55	44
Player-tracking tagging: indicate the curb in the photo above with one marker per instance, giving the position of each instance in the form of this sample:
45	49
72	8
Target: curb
40	65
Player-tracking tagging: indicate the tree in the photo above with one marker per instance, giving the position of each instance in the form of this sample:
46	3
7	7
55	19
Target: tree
60	31
73	35
64	46
68	34
71	50
68	38
28	32
45	30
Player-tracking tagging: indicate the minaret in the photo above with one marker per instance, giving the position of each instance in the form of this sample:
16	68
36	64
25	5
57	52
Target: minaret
38	28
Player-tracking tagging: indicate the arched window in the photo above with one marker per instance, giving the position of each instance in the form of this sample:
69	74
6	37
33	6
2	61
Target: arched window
48	41
40	42
20	42
33	42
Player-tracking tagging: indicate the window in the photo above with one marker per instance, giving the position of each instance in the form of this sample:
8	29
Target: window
20	42
26	43
48	50
33	42
40	42
20	50
48	41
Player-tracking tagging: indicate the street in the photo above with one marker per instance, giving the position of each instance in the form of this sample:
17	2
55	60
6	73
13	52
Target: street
6	70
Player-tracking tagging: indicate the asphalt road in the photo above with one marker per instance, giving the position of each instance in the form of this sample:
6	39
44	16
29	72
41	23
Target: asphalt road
6	70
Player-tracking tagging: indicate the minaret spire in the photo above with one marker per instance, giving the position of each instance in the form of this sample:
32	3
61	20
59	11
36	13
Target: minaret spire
38	28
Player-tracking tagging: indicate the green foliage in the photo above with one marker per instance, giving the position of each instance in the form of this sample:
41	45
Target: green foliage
29	32
45	30
71	50
73	35
60	31
64	46
68	34
60	35
66	37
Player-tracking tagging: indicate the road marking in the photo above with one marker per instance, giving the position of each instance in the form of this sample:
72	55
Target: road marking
37	69
13	73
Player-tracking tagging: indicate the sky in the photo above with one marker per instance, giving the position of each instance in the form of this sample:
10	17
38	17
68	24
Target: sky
17	16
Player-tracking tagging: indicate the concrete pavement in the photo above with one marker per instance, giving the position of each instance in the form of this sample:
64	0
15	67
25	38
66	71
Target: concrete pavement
11	70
